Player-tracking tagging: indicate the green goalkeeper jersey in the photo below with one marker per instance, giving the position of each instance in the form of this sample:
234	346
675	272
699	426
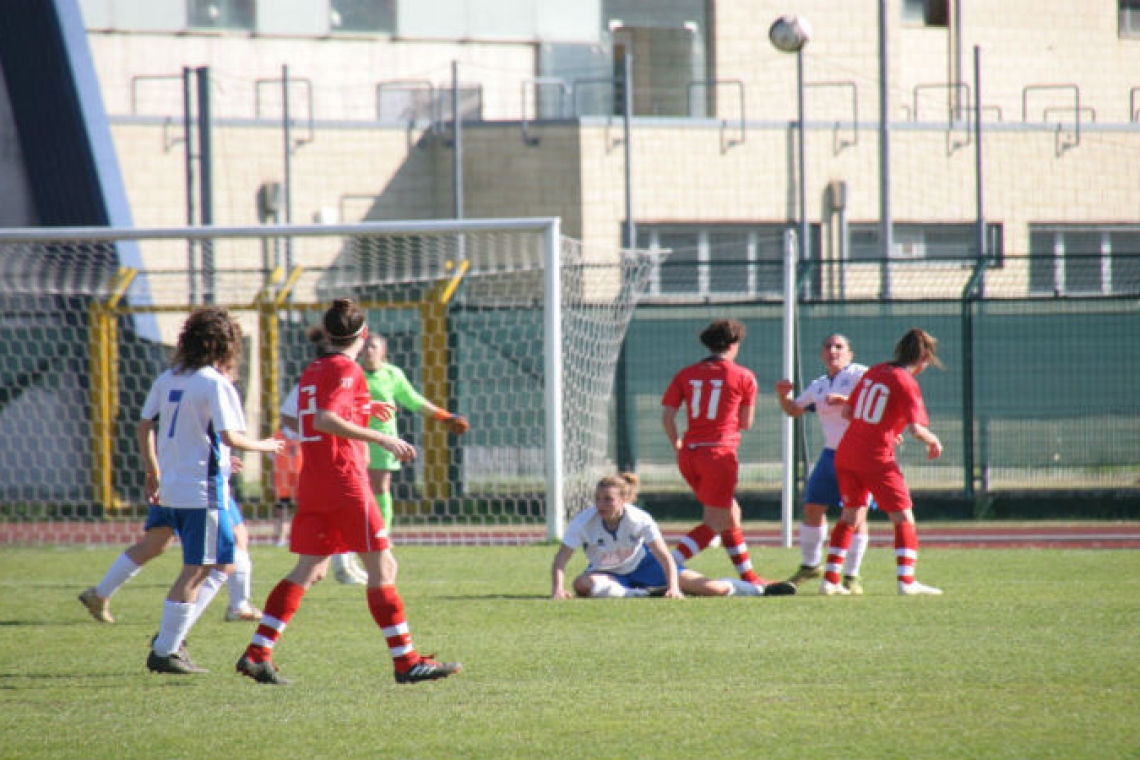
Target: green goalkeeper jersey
389	383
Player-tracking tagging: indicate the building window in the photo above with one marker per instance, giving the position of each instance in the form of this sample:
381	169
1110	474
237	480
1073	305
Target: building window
917	242
718	261
222	14
370	16
926	12
1084	261
1129	18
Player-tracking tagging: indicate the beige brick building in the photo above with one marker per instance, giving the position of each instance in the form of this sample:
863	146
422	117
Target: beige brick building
714	139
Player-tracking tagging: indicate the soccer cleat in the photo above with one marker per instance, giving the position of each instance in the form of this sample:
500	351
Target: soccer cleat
852	584
827	588
428	669
99	608
247	612
806	573
177	663
914	588
779	588
262	672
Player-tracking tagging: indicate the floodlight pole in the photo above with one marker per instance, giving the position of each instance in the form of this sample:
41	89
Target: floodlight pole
794	251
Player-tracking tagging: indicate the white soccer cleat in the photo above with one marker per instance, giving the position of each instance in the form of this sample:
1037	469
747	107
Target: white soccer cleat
827	588
917	589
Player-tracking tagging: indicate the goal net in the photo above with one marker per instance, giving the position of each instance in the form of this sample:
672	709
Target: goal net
503	321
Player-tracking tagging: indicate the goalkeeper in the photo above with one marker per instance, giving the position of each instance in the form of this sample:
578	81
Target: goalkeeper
388	384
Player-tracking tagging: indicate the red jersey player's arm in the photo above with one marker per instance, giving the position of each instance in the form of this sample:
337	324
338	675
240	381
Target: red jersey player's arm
745	417
669	422
922	433
333	424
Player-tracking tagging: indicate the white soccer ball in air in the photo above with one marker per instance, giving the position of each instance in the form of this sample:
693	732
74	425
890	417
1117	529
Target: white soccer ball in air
790	33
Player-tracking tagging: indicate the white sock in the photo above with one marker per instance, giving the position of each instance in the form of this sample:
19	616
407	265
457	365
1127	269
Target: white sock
206	593
340	563
607	588
811	544
177	618
740	587
239	581
121	571
855	552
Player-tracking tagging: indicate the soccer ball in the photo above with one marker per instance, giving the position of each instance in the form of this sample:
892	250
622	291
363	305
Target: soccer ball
790	33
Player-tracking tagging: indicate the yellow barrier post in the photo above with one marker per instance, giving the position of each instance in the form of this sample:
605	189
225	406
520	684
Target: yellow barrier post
436	385
103	359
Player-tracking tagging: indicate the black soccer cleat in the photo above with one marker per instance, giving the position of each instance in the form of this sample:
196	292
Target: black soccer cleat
428	669
779	588
262	672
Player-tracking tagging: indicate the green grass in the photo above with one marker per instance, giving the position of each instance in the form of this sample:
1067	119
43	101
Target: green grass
1030	654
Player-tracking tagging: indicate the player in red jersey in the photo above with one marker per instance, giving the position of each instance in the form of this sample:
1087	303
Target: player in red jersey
886	403
720	398
336	511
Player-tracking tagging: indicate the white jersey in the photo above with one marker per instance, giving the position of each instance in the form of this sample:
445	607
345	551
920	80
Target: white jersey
289	409
192	409
618	552
831	415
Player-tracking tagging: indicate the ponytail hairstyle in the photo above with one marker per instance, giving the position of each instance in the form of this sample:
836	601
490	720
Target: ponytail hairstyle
344	322
720	335
625	482
916	347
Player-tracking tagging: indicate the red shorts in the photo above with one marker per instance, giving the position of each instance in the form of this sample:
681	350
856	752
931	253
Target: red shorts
883	481
712	472
335	531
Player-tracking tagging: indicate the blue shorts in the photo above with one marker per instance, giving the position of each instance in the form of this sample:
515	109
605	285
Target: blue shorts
648	574
207	535
823	484
157	517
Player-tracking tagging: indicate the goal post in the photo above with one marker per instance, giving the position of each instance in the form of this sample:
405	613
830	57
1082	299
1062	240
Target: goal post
502	320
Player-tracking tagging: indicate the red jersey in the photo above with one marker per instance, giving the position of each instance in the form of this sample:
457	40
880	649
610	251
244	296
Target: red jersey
885	401
334	473
713	390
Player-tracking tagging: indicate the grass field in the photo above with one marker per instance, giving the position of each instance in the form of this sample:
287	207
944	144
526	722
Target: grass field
1030	654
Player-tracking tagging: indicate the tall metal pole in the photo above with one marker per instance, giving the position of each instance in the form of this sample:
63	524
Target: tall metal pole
206	178
457	155
885	224
188	150
627	108
787	424
804	243
287	183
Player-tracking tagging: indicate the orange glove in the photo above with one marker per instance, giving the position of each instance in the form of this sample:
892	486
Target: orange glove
456	424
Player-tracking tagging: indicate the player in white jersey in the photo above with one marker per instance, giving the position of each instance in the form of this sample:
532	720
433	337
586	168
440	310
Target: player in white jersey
190	420
626	553
825	396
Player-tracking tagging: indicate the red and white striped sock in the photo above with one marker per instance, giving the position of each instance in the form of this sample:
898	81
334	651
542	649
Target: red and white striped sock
283	602
737	548
695	542
837	551
906	551
387	610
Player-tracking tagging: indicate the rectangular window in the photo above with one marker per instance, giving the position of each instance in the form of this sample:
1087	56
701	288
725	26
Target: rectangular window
1092	260
727	261
926	12
221	14
367	16
1129	18
917	242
